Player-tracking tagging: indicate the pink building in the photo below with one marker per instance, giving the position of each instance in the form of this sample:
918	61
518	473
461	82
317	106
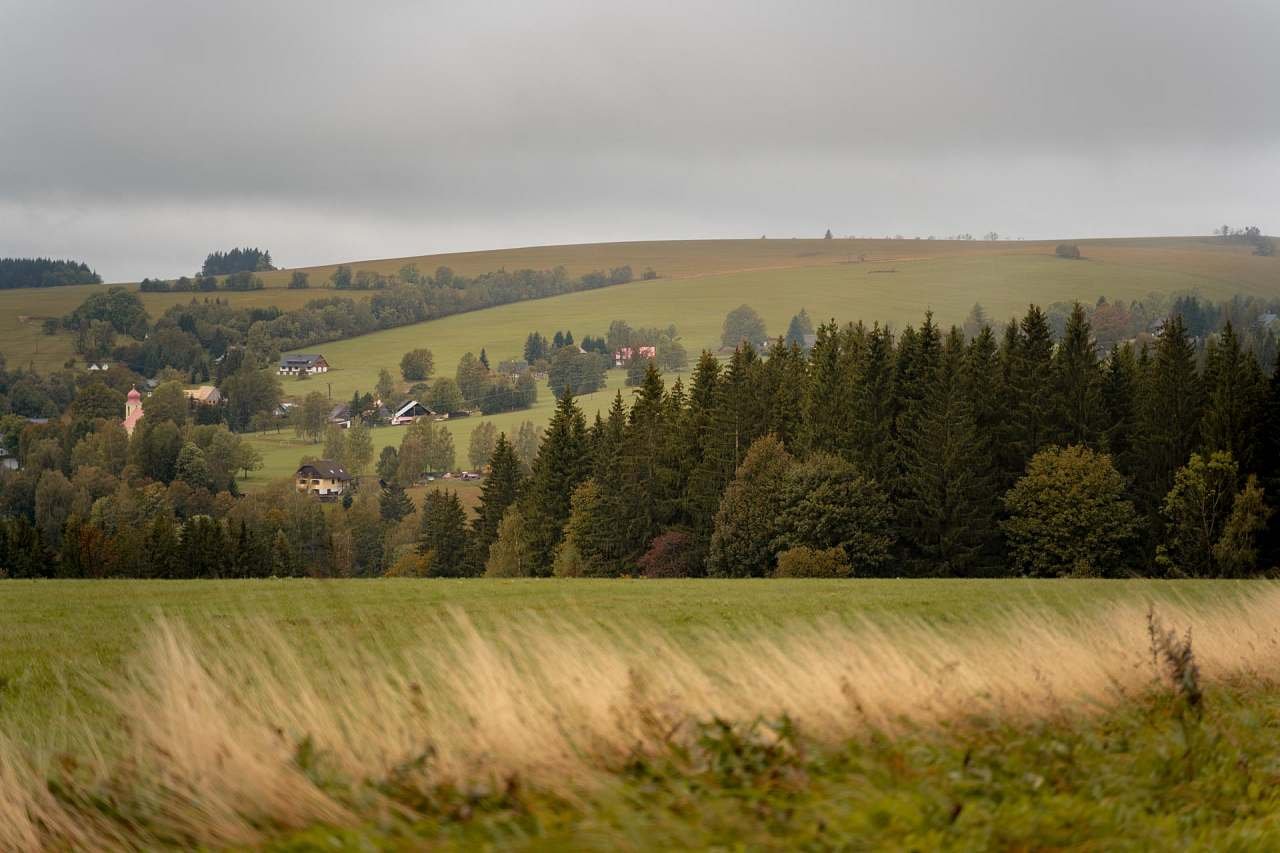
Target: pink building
132	411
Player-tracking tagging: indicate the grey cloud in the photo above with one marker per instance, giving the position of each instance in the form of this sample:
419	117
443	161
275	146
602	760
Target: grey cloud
423	126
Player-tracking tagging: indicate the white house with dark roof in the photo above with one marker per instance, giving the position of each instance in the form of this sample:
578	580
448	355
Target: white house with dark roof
322	478
296	365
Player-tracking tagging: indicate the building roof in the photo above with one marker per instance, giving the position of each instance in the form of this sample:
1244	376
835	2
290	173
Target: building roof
409	406
301	360
323	469
203	394
340	412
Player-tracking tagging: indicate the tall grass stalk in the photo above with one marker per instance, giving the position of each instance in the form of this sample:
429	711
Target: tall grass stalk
231	736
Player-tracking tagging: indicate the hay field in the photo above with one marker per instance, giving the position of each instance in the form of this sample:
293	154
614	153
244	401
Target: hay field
645	715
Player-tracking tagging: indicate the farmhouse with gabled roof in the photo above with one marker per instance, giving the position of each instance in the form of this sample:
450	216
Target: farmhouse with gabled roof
322	477
295	365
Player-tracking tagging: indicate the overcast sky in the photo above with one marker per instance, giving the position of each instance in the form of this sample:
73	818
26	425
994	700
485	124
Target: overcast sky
140	135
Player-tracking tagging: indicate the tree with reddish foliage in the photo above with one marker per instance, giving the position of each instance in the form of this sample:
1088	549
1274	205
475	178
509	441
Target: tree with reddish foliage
671	555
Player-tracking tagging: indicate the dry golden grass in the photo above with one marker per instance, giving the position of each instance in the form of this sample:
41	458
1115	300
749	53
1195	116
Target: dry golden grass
231	737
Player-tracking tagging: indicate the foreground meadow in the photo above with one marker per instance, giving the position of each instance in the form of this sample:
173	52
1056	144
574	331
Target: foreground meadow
640	715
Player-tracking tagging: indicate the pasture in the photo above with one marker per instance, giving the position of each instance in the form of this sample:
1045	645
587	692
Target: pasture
1162	264
391	714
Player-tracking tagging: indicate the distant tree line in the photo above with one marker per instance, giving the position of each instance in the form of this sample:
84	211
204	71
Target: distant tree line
44	272
236	260
921	452
1250	234
193	336
237	281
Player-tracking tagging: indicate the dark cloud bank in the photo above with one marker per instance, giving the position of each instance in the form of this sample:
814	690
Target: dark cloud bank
139	135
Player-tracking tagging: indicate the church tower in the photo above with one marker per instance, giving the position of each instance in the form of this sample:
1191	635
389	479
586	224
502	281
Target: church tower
132	410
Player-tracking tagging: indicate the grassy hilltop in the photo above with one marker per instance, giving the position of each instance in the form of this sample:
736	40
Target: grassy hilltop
1164	263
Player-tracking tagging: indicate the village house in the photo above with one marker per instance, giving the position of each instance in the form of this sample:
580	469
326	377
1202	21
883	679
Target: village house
205	395
409	412
622	356
132	411
322	478
8	461
298	365
341	416
98	366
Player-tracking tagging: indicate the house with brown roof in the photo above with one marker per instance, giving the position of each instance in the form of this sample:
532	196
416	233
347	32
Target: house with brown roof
323	478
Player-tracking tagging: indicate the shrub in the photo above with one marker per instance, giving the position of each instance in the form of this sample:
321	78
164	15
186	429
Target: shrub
1068	516
410	564
805	562
1068	250
670	555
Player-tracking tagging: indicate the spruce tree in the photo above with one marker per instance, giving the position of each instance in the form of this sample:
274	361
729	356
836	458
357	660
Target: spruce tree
700	496
500	490
980	380
919	353
1169	419
1032	387
799	327
1008	452
1077	379
393	503
647	488
874	407
782	385
947	507
1235	395
826	408
1120	388
1268	462
736	420
442	534
562	463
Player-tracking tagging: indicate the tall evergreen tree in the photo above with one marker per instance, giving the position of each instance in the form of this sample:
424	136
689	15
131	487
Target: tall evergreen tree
647	488
1077	378
1120	382
1032	386
799	327
782	384
826	409
393	503
500	490
442	534
1268	462
1235	395
874	407
737	420
1169	418
702	493
947	507
562	463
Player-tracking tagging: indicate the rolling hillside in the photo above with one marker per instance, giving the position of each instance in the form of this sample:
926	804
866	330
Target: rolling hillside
893	281
943	276
1167	263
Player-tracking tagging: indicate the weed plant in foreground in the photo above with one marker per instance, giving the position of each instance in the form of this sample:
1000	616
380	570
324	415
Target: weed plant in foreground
1128	727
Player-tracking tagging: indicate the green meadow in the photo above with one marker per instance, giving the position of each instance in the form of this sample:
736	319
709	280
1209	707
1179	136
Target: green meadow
64	641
